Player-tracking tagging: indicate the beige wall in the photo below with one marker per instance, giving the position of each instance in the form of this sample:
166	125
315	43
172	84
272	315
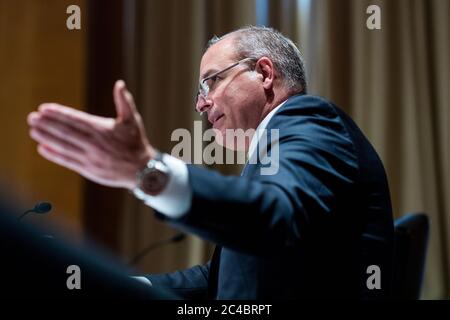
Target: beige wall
40	60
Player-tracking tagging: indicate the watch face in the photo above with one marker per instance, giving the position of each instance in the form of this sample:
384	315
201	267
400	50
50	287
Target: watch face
153	182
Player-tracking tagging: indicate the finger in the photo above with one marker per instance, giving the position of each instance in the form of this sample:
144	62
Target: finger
60	146
60	159
33	118
64	133
66	162
74	165
124	102
76	118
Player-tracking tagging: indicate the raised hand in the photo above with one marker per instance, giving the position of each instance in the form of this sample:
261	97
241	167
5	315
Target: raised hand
104	150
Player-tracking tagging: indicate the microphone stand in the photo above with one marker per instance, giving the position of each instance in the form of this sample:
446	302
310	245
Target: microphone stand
24	214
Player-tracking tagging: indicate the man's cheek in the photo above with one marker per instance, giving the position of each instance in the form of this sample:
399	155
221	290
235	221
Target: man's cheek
228	123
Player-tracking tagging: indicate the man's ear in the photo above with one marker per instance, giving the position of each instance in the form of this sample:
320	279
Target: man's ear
264	67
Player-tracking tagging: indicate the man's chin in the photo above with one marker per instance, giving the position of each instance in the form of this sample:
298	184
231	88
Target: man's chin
230	142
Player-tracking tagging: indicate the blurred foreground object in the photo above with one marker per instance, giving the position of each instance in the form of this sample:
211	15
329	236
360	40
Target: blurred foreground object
34	266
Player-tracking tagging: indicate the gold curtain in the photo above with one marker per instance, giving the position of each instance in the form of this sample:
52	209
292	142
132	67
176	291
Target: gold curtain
40	61
394	83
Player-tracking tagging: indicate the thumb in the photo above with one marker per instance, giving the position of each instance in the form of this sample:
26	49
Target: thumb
124	102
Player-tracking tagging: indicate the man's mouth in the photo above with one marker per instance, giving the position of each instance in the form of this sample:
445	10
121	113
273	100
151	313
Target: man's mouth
214	118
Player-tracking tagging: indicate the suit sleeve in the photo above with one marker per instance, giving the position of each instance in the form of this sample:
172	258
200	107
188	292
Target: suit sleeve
189	284
260	214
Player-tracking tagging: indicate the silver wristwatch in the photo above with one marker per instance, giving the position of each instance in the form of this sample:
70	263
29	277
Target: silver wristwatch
153	178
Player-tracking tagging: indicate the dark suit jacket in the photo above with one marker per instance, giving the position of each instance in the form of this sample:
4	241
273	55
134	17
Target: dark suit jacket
309	231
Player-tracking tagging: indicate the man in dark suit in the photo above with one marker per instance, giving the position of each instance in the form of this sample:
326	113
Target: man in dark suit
316	224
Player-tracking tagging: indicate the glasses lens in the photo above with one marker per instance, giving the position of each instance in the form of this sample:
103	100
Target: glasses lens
202	92
204	89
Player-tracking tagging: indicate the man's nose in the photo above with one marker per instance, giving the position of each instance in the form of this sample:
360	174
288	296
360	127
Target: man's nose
203	104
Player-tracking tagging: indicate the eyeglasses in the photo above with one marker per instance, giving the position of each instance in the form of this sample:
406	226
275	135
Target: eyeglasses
207	83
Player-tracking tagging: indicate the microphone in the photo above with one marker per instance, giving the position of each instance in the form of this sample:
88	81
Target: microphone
176	238
40	208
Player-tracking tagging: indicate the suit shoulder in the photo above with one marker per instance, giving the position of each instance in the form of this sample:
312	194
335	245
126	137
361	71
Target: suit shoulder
307	103
307	110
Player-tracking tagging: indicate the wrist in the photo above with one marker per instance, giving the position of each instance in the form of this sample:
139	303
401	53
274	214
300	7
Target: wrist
152	179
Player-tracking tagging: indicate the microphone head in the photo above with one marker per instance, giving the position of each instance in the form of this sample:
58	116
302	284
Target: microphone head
42	207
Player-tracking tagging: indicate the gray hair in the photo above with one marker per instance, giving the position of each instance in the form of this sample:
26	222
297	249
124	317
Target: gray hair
261	42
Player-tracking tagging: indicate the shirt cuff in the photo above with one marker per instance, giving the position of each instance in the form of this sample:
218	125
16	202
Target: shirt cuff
143	280
176	198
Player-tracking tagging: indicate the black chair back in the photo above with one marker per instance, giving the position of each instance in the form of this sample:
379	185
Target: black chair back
411	240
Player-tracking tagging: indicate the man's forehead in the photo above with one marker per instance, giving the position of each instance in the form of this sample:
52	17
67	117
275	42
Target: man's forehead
217	57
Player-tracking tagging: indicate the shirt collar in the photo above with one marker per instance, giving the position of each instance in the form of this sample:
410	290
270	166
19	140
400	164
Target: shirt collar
260	129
